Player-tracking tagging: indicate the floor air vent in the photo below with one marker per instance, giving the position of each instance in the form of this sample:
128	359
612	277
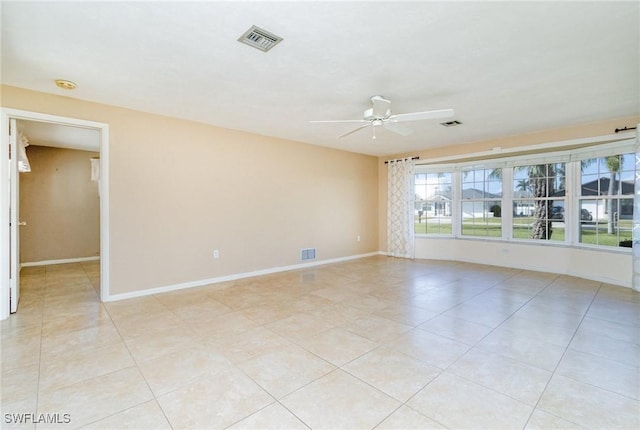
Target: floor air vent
260	39
308	254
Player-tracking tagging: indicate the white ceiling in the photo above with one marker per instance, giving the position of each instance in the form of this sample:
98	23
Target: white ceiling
506	68
60	136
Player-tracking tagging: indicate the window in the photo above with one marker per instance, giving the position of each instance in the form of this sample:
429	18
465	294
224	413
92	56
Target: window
579	197
539	201
606	199
433	203
481	205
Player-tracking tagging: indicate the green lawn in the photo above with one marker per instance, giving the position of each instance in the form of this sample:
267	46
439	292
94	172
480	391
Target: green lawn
596	233
591	233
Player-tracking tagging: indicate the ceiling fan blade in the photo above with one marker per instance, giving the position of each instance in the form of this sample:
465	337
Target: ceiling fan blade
417	116
342	120
397	128
353	131
381	107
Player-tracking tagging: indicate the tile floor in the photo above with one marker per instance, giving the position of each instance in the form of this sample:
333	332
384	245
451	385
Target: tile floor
374	343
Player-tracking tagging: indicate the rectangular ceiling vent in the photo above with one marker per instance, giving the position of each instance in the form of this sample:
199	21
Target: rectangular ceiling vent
260	39
451	123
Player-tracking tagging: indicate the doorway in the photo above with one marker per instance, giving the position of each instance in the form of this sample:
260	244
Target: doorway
47	131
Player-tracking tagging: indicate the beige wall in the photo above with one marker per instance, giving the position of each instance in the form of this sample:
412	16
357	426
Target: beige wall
60	205
612	267
180	189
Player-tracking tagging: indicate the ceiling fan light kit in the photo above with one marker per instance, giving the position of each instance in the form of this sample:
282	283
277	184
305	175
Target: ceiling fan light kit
379	115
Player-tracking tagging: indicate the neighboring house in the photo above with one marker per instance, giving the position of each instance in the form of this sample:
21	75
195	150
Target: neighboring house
435	205
523	207
476	203
600	188
440	204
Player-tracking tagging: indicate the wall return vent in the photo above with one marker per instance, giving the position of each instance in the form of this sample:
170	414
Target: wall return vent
308	254
260	39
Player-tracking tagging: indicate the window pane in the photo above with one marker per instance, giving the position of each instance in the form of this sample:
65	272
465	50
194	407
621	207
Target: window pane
627	173
606	222
481	206
559	180
539	219
521	188
482	218
433	203
590	185
522	219
540	180
539	205
605	216
608	176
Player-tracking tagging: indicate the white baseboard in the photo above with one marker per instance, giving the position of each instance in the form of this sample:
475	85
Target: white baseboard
64	261
234	277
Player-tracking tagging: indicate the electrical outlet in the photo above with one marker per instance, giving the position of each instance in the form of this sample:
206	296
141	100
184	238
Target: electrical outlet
216	253
358	238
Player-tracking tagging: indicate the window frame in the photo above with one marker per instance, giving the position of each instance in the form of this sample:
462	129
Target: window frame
572	198
484	200
451	203
564	199
618	198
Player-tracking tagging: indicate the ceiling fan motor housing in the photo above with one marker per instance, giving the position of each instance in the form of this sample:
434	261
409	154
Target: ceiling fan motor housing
381	109
369	116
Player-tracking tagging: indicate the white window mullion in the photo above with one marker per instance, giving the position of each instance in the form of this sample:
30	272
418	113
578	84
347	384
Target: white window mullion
456	204
507	203
572	205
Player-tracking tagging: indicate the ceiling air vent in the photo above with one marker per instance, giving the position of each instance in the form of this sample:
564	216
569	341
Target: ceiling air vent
451	123
259	38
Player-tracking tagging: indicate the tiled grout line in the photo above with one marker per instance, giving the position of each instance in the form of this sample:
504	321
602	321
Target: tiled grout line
136	365
480	292
405	403
233	365
477	342
336	368
562	357
44	287
116	371
121	337
588	353
382	345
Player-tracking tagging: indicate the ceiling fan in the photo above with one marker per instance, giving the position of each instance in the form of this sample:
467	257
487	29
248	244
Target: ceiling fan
380	115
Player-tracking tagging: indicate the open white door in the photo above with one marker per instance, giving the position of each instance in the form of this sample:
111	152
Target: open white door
14	218
9	202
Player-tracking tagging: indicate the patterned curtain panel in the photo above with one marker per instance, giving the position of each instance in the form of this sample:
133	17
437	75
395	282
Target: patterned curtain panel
636	217
400	212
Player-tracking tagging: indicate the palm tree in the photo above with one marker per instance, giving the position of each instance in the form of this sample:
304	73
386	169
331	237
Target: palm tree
523	185
613	166
541	188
